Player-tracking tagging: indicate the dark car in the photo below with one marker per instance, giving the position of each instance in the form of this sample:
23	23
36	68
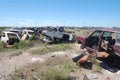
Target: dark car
92	41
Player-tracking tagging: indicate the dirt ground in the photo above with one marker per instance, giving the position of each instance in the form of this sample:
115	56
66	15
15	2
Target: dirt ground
32	63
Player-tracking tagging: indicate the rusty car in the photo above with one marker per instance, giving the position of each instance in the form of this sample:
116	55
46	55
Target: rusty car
91	42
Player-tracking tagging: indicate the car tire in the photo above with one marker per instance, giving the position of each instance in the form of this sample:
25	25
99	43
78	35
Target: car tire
61	29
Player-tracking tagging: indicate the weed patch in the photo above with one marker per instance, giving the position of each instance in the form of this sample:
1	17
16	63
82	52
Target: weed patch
23	44
52	48
1	45
17	75
60	72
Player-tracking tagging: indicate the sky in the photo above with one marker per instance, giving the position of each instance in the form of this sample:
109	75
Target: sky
97	13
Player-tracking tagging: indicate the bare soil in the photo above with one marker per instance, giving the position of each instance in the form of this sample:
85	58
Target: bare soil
32	63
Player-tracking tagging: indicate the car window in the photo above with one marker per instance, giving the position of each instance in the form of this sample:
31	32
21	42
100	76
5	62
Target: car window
96	33
109	36
10	35
118	37
3	35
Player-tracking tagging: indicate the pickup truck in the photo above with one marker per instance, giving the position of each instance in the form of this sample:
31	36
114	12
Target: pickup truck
91	42
9	37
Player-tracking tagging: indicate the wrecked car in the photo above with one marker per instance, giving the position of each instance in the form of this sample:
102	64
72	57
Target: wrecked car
28	32
9	37
92	43
16	30
56	35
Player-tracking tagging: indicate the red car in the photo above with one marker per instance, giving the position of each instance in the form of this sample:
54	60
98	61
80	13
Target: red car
92	41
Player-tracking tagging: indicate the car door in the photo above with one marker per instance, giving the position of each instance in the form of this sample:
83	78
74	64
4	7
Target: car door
114	41
92	40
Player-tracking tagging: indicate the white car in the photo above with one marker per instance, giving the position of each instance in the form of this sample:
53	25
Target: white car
28	32
6	36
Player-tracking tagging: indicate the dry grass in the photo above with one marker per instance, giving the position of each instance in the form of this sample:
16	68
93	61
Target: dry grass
52	48
84	32
56	70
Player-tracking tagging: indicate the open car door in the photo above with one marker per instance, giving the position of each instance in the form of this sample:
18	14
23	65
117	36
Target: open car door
92	41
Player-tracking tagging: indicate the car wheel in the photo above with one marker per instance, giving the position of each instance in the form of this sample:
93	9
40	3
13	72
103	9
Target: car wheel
61	29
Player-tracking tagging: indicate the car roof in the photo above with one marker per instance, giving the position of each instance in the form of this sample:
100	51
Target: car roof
28	30
9	32
110	30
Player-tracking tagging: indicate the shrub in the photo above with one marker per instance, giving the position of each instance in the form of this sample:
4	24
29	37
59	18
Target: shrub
1	44
31	38
56	73
23	44
19	45
17	74
59	72
16	45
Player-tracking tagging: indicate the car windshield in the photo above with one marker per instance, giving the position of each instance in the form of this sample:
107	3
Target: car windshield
118	37
96	33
